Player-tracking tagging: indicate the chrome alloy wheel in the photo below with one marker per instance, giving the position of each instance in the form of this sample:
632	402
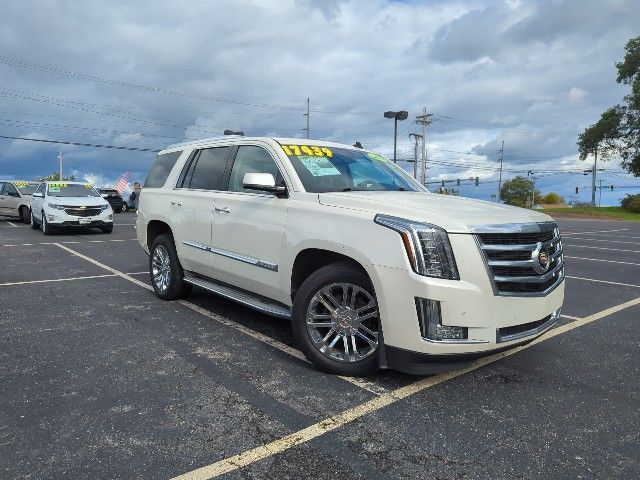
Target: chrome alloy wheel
161	268
342	322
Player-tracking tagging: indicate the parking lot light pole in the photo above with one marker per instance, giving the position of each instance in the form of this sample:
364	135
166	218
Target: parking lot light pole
401	115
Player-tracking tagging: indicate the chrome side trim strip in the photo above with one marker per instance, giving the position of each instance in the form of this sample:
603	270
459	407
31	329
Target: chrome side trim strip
235	256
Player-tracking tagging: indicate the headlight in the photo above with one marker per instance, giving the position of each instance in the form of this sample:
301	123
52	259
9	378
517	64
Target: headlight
427	247
57	207
105	207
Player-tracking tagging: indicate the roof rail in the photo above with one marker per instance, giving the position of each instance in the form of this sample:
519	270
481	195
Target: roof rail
198	140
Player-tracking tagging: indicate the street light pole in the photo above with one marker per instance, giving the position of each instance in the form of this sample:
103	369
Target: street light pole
401	115
60	158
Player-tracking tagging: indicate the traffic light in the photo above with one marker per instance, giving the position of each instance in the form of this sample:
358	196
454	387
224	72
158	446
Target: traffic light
612	188
477	181
576	190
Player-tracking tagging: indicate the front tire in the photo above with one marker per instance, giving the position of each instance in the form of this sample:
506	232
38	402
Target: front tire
32	220
336	320
108	229
44	225
167	275
25	215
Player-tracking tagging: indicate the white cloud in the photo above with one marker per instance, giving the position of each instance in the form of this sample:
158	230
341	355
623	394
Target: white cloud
533	73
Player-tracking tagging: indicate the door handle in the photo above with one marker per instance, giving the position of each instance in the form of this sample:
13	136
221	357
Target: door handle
173	202
222	209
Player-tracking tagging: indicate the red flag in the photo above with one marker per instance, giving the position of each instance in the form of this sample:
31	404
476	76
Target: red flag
123	182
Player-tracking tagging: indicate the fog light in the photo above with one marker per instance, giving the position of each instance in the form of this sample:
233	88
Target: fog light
431	328
110	216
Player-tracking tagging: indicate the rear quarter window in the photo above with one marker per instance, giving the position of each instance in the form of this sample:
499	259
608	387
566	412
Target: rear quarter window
161	169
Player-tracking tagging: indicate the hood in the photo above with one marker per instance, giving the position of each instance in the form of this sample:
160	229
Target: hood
78	201
454	214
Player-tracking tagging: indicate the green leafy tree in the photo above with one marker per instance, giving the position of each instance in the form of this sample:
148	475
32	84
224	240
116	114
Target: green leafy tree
517	191
552	198
617	133
55	177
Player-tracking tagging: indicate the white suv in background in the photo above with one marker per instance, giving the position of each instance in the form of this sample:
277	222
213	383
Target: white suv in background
15	198
372	269
59	205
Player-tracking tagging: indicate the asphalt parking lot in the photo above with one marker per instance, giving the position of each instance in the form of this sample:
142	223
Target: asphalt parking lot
101	379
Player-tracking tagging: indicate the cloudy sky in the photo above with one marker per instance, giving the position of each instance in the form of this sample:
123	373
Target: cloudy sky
146	74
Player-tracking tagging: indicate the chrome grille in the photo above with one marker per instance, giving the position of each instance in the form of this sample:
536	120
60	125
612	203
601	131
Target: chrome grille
513	255
83	211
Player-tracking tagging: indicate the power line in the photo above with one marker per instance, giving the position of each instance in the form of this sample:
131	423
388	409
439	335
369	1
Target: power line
64	142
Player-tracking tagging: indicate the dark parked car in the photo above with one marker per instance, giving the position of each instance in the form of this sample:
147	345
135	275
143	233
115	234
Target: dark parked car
113	197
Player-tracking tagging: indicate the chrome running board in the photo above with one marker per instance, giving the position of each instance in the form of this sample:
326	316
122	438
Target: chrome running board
247	299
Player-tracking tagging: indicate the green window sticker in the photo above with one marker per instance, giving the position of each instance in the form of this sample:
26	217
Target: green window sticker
54	189
319	166
376	156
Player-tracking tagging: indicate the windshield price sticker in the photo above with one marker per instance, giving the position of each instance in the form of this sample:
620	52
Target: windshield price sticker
58	185
319	167
21	184
307	150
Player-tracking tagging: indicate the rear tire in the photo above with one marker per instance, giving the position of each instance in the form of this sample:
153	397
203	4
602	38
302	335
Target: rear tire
125	208
335	320
167	275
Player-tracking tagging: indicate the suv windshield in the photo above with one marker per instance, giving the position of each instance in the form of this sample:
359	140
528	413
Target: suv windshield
328	169
26	188
71	190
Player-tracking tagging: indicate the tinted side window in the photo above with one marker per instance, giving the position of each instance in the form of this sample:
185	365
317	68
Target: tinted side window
40	188
187	170
9	189
161	169
209	168
252	160
2	184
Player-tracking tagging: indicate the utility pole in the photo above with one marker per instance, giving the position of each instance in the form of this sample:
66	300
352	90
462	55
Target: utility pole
424	120
416	136
500	180
60	158
308	115
593	179
600	196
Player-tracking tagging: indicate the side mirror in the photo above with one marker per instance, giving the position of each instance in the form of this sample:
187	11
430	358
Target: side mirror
262	182
38	195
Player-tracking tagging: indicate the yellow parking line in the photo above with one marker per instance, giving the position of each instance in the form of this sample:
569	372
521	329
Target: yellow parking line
106	267
68	242
332	423
603	281
568	232
599	248
601	260
27	282
362	383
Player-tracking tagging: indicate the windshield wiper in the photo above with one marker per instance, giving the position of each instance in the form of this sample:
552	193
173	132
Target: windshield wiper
351	189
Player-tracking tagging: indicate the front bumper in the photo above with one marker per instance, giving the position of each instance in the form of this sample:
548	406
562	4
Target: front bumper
492	322
59	218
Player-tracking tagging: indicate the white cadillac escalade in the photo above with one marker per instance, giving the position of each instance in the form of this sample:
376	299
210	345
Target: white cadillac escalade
373	270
